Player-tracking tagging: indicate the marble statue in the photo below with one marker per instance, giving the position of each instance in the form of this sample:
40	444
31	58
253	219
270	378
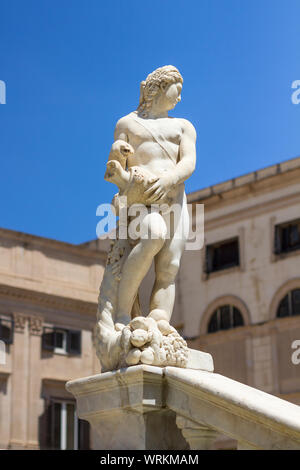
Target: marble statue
151	157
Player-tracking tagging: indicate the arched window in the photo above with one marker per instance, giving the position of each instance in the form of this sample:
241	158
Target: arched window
290	304
224	318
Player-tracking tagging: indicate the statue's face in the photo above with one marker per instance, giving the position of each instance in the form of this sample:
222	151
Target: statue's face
170	95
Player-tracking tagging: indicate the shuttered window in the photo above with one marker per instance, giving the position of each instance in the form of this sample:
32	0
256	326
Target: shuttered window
287	237
62	340
222	255
63	430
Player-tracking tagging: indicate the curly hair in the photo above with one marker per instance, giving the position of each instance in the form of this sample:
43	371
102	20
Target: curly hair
150	87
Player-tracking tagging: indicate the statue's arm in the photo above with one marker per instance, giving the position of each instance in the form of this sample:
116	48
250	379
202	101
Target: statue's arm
120	151
121	130
187	162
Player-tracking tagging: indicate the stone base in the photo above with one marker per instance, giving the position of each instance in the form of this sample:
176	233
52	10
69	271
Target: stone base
147	430
127	408
146	407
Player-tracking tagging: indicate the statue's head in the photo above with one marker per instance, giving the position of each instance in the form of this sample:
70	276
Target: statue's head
165	84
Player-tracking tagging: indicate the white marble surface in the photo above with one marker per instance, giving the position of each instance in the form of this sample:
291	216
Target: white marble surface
128	409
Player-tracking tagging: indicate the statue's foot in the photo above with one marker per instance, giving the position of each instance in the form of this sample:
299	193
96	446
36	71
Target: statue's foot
159	314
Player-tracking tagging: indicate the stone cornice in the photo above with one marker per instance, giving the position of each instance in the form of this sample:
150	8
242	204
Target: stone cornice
253	209
246	184
46	300
133	376
34	241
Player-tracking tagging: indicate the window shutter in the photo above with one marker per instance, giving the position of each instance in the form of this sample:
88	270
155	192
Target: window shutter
74	342
209	259
6	332
48	339
277	241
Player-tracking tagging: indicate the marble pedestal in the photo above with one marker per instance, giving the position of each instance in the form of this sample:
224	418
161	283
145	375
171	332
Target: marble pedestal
127	408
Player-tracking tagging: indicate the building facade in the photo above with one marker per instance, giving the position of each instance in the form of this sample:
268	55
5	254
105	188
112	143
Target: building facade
48	303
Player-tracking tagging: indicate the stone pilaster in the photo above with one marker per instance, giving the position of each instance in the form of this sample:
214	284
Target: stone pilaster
19	409
36	326
35	403
20	322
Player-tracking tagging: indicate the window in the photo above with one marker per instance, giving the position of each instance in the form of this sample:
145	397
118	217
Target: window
287	237
224	318
222	255
6	329
61	341
65	430
290	304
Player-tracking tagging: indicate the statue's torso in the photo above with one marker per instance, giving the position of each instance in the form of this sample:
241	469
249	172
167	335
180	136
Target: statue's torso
148	153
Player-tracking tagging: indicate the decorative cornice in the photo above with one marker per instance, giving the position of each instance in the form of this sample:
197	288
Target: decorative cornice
33	241
249	179
47	300
254	209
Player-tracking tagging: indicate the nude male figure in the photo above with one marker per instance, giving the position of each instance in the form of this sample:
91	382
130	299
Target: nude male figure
171	159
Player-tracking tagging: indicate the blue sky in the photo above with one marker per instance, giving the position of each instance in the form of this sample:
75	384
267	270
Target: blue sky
73	68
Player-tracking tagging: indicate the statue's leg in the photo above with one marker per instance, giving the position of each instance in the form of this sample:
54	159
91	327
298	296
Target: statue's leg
167	263
138	263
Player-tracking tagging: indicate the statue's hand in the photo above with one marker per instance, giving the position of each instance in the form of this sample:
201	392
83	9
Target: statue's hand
158	190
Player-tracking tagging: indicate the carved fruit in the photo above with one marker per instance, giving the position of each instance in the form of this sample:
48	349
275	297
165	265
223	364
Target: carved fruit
139	323
139	338
133	357
147	356
162	356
